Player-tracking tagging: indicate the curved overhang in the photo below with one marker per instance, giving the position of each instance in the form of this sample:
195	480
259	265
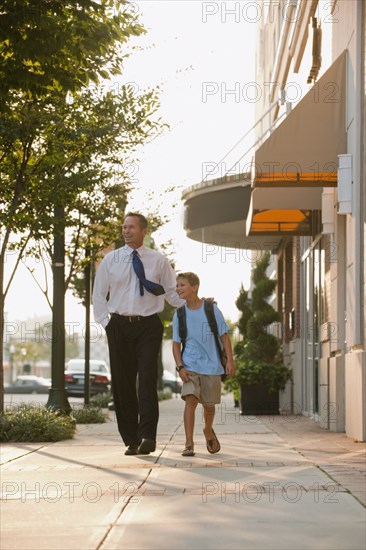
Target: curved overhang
215	212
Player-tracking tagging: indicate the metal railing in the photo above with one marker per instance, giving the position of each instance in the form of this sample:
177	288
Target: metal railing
255	145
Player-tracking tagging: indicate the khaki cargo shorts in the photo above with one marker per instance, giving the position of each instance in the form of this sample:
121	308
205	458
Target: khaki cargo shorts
206	387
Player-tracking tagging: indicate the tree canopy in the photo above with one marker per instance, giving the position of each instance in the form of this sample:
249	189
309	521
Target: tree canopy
61	45
63	142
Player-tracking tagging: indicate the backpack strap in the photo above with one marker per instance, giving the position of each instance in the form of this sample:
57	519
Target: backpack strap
182	325
209	310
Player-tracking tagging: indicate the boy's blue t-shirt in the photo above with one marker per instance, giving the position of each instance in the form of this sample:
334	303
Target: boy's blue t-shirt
200	352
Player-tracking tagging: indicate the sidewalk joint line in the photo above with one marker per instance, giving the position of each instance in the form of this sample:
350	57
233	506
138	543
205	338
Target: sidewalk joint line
129	499
23	455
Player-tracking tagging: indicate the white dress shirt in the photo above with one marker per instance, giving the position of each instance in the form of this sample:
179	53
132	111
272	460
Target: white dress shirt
117	277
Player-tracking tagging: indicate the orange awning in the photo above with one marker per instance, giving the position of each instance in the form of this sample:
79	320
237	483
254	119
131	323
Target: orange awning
286	211
284	222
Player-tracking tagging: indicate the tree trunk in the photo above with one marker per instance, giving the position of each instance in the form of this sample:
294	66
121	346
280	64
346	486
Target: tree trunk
2	311
57	399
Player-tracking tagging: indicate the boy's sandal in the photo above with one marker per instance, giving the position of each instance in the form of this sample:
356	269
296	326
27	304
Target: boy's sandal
213	445
188	451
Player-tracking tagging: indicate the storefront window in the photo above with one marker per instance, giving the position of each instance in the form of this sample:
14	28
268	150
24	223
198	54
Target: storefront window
312	288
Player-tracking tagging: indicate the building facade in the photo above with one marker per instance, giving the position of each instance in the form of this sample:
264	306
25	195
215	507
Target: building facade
305	200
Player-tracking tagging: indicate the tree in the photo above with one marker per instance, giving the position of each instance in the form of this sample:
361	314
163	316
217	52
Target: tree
61	45
96	142
258	355
49	52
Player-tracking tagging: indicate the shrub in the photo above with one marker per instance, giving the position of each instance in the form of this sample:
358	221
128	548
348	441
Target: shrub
164	394
90	415
35	424
101	400
258	356
275	376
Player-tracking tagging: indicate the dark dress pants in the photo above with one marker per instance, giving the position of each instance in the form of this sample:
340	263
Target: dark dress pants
133	350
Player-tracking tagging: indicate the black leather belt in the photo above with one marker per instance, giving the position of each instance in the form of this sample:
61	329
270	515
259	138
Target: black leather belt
132	318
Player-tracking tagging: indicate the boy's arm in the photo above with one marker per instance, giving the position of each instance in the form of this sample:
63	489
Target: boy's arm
177	354
230	365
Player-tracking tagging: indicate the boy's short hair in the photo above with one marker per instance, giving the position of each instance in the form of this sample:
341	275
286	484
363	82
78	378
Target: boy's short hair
192	278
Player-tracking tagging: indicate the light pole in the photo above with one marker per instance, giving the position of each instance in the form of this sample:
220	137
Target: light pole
23	353
11	362
87	274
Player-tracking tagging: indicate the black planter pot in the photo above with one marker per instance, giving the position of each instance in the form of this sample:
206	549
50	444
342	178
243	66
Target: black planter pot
256	400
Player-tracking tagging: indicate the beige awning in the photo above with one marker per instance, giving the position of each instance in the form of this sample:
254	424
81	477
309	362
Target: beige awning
299	159
302	151
306	198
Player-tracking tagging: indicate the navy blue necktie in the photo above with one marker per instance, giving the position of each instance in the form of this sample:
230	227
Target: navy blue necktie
138	267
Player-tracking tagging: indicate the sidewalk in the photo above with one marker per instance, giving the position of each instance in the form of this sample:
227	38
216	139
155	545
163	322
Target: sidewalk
277	483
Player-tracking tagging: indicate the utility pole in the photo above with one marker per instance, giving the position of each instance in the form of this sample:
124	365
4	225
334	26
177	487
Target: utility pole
87	275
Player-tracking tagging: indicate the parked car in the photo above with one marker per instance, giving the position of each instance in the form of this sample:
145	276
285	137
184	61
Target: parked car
171	382
100	377
28	383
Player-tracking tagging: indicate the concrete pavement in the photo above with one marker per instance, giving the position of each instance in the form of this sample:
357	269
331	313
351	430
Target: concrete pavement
277	483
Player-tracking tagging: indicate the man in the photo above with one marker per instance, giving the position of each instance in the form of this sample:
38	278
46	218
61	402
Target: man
136	280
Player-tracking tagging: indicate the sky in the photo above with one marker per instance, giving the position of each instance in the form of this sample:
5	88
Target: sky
196	52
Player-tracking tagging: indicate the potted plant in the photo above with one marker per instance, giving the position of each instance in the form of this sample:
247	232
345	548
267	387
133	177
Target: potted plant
261	372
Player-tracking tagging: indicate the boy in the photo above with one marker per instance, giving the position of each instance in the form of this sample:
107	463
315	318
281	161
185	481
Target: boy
200	367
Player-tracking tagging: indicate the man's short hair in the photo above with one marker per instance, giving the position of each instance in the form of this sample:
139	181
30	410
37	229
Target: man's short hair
142	219
192	278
